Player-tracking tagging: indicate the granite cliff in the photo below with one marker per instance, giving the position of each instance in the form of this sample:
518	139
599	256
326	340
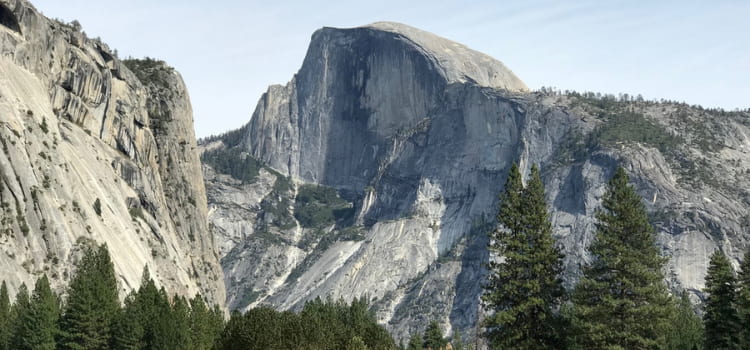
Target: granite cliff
96	150
375	172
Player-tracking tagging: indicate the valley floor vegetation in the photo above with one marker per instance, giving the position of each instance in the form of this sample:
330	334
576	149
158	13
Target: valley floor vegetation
620	302
93	318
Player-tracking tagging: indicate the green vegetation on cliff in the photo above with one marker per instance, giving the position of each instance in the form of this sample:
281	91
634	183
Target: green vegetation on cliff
233	162
318	206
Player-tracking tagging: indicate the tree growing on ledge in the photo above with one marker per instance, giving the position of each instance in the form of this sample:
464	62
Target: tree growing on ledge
524	287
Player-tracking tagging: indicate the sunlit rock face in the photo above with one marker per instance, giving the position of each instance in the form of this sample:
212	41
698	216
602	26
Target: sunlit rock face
418	133
94	154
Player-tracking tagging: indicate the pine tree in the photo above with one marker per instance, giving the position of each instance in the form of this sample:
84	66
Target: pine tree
720	316
433	337
356	343
506	244
232	336
201	329
162	335
457	342
415	342
127	330
525	287
622	301
39	327
686	331
19	312
5	319
544	286
216	322
92	303
144	304
180	324
743	299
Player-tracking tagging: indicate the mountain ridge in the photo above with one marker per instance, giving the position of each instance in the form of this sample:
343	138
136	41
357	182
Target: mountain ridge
422	159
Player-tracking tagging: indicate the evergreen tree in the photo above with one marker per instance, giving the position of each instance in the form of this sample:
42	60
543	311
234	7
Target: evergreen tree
506	244
162	333
180	324
146	303
92	303
433	337
457	342
203	330
415	342
39	327
127	330
5	317
232	335
720	316
19	312
216	322
622	301
356	343
686	331
525	287
743	299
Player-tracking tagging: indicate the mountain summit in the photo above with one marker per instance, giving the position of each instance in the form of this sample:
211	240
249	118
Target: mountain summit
376	171
456	62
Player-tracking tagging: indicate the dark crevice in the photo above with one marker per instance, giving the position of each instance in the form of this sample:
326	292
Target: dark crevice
8	19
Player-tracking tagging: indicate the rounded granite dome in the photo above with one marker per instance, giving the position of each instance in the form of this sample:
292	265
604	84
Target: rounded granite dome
458	62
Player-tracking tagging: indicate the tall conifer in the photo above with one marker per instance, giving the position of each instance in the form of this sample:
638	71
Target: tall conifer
5	319
147	303
415	342
127	330
433	337
200	325
92	303
524	287
39	328
180	324
743	299
18	312
507	250
622	301
686	331
720	316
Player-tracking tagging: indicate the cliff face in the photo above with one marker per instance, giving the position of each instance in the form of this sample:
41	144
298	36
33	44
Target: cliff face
95	153
418	133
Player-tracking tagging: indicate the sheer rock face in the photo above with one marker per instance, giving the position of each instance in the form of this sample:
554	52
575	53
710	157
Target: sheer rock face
92	154
420	134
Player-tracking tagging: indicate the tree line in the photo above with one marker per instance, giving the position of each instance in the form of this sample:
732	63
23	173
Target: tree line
92	317
321	324
621	300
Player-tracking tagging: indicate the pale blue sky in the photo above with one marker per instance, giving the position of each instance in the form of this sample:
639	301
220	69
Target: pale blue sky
229	51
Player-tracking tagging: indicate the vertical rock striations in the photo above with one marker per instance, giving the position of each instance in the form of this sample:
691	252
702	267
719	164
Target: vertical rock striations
96	150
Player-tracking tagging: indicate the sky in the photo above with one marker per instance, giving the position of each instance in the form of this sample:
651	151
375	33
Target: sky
230	51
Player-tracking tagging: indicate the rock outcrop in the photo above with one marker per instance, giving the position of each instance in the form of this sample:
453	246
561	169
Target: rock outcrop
96	153
418	134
